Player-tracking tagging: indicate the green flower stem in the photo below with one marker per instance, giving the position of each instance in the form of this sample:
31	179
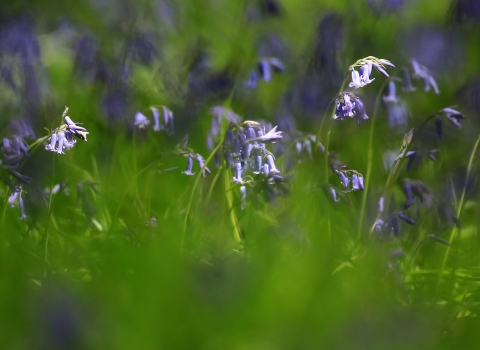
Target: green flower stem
369	160
455	231
192	192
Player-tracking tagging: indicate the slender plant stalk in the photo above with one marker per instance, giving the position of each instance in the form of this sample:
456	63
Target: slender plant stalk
47	229
214	181
455	230
369	160
194	188
231	210
327	150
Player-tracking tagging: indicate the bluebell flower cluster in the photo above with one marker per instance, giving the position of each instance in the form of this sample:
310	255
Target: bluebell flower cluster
164	123
361	77
307	143
349	105
351	180
245	151
62	138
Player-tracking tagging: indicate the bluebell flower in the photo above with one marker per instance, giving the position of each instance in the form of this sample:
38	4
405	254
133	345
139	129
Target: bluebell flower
252	82
333	193
188	171
156	119
453	116
271	165
270	136
381	204
421	72
392	93
12	199
365	72
168	120
355	185
62	138
265	70
15	199
408	87
258	164
359	111
265	66
396	108
238	173
379	225
344	180
76	130
243	191
366	64
348	106
141	120
201	163
356	83
361	183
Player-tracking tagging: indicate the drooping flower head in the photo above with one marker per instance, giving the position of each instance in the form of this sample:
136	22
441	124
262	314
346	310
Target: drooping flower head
349	105
361	77
62	138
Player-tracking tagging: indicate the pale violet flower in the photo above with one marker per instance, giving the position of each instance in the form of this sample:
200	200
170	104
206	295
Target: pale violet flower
271	165
392	93
348	105
156	119
238	173
408	87
421	72
359	111
365	72
16	199
62	138
168	120
157	125
356	83
243	191
396	108
266	169
355	185
201	164
188	171
362	78
453	116
265	66
270	136
141	120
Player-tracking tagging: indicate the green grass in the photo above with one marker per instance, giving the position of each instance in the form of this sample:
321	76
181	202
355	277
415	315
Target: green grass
138	255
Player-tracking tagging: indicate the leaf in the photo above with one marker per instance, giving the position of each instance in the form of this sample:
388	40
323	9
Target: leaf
439	240
342	266
405	144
